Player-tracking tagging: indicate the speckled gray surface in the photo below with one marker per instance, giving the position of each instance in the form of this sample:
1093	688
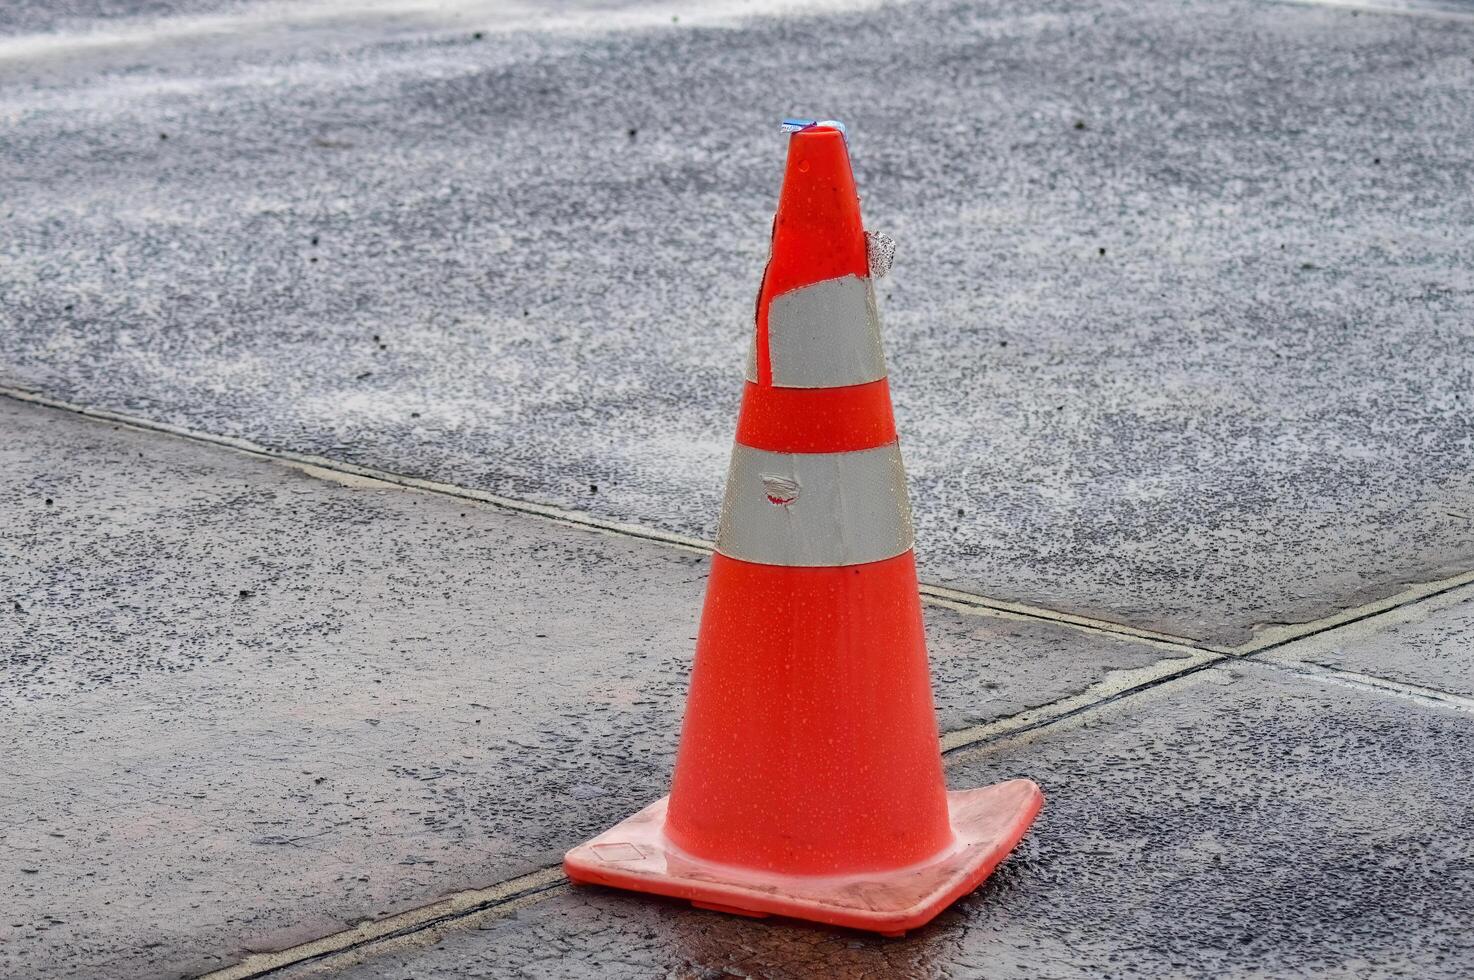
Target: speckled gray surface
241	707
1236	823
22	17
1179	326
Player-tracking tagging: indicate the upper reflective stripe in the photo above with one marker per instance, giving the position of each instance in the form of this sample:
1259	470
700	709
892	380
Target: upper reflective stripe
815	509
823	336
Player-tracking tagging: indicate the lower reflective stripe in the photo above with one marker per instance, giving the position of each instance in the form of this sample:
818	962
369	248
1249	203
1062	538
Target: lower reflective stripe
815	509
823	336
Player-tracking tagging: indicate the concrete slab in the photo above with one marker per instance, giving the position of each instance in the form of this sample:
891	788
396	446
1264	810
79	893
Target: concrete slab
1177	326
23	17
242	707
1236	823
1430	645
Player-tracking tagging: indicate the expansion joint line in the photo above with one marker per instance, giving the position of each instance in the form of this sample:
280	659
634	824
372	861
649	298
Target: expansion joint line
327	468
460	906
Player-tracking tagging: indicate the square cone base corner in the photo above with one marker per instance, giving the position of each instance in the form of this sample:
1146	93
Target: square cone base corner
988	822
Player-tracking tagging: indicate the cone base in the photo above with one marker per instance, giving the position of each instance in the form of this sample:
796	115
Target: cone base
988	822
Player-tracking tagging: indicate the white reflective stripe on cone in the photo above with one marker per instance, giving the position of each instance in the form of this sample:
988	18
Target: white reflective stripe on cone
815	509
823	336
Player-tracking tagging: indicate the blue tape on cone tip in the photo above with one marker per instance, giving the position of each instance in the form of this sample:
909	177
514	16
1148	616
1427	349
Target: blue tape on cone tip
799	125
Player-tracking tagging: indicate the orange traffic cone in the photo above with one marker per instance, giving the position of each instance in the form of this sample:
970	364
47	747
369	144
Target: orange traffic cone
809	778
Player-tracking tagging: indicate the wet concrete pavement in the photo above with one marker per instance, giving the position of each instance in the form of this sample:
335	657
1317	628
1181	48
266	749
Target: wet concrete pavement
225	677
1239	822
1180	339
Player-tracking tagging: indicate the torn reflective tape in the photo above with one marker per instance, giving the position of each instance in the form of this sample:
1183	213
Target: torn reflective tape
823	336
880	253
815	509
